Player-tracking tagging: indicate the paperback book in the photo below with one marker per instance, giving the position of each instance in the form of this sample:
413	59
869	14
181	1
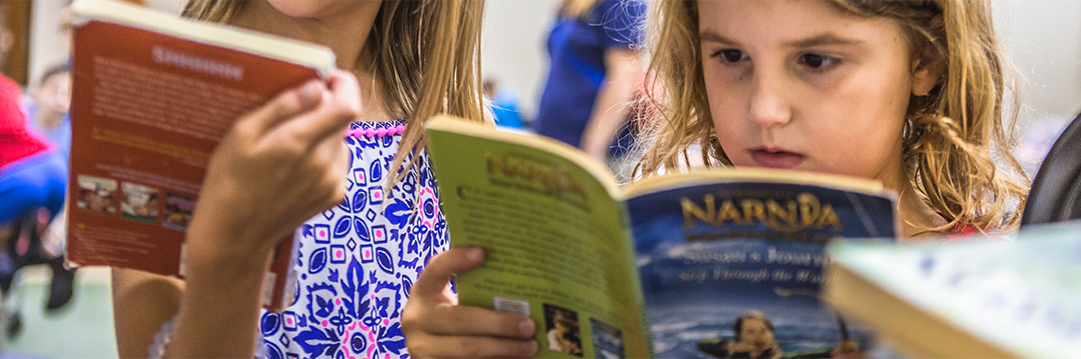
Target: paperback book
152	95
721	263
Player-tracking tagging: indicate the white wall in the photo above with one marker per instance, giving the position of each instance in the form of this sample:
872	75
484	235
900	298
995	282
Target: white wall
46	46
1043	38
513	46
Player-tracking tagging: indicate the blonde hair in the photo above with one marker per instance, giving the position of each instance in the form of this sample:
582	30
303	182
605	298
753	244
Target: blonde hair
948	135
426	60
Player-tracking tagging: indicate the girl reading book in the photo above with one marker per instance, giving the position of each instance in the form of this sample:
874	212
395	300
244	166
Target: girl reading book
287	161
909	93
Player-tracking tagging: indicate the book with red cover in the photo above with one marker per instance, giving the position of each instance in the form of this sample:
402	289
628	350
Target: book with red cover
152	95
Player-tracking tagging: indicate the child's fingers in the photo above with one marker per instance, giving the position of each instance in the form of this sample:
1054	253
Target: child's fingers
331	118
442	267
345	88
474	321
337	153
473	347
287	104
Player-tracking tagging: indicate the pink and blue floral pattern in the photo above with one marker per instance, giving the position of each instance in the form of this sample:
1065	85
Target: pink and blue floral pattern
358	260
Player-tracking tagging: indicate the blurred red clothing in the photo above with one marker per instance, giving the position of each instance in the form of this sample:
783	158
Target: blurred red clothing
15	142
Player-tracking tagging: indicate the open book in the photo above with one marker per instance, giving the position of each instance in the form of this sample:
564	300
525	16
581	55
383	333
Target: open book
152	95
998	298
663	267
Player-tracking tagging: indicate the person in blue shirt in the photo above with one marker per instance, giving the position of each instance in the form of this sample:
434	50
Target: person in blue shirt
593	73
33	175
503	102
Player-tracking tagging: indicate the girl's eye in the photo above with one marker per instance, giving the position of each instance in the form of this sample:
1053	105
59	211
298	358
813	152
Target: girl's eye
816	61
732	55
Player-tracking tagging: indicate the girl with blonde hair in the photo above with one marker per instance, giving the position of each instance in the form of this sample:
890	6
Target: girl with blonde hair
401	62
911	93
925	127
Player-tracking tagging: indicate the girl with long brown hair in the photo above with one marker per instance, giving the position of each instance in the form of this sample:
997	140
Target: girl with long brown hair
938	121
911	93
401	62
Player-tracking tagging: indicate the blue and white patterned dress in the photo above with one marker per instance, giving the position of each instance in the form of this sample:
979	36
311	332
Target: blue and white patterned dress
358	260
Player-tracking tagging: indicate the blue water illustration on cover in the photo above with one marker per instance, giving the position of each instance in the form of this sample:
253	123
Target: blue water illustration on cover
734	270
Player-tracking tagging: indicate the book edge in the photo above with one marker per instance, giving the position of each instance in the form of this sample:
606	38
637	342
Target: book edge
910	328
663	182
319	57
595	169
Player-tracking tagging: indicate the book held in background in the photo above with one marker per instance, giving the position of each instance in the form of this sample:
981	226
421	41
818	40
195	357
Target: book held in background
1017	297
152	95
720	263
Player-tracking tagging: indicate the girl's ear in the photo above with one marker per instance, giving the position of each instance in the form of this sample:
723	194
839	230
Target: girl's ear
929	64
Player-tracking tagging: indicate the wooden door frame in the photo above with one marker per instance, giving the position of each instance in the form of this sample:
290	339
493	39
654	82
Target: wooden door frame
16	20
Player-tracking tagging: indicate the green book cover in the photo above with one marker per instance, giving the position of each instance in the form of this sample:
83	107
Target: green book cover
660	268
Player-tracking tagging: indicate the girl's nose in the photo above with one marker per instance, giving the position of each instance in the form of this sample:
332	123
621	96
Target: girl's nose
769	103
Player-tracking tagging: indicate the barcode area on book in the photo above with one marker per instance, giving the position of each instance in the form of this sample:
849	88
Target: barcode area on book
506	305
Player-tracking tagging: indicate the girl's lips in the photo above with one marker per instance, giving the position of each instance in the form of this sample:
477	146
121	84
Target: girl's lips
781	159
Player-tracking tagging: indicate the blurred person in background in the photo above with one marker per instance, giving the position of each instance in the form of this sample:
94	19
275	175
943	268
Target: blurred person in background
33	180
47	108
48	116
503	102
594	71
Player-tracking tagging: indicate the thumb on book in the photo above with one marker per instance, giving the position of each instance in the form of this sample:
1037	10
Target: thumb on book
437	274
331	118
344	88
286	105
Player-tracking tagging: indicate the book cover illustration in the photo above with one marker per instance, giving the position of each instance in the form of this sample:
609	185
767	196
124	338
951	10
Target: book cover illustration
733	269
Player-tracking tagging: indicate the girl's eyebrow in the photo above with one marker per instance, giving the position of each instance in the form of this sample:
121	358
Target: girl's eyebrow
713	36
823	39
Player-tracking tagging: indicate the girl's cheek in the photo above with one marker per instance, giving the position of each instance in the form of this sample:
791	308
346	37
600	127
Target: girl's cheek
738	158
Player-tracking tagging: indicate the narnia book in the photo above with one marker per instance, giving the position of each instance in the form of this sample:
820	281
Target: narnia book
152	95
709	264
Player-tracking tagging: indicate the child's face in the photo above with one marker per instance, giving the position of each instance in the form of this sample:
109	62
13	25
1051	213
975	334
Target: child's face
802	85
755	333
54	94
318	8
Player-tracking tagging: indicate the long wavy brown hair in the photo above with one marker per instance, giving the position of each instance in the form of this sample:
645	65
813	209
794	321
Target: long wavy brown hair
949	135
426	60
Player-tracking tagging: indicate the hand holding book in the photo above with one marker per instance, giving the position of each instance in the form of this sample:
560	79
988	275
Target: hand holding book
153	98
655	269
285	158
437	327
